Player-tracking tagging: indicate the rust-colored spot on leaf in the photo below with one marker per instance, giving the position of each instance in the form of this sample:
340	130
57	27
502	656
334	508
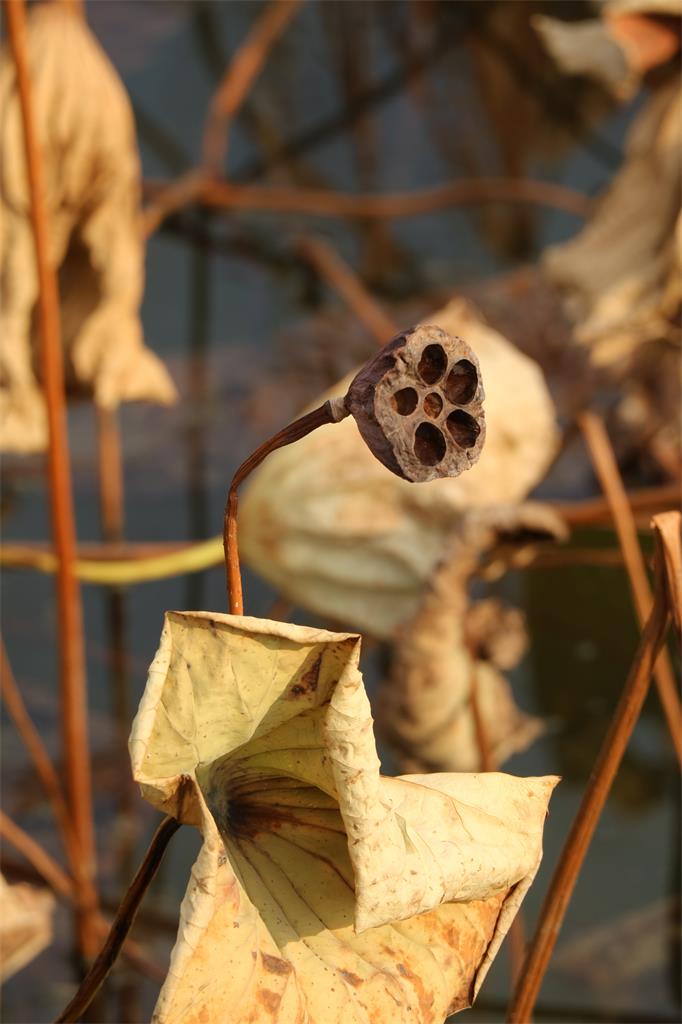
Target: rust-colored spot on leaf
351	978
275	964
270	1000
425	998
309	680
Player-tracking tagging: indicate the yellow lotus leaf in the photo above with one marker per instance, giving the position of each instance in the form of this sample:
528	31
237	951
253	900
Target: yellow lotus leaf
86	133
323	892
339	534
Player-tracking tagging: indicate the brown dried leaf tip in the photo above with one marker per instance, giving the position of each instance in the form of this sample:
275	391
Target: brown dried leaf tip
419	405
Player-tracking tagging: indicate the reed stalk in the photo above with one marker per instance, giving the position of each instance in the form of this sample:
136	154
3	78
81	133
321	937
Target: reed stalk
598	788
69	610
606	468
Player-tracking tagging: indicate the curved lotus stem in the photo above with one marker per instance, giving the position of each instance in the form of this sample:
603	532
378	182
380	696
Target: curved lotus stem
331	412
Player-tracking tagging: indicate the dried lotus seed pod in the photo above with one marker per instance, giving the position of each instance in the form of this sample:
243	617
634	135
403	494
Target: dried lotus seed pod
419	405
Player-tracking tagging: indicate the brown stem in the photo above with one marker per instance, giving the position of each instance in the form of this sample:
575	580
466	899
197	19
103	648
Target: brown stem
47	773
43	869
110	464
330	266
326	413
487	763
606	468
196	186
240	76
607	764
69	610
668	524
122	923
39	858
644	500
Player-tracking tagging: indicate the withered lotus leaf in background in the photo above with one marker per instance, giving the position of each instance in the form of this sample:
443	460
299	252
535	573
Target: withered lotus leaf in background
338	533
86	133
424	708
620	277
26	925
323	892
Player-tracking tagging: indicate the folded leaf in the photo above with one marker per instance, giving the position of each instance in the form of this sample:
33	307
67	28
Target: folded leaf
323	892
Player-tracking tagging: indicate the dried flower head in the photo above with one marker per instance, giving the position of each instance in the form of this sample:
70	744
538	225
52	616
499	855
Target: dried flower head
419	405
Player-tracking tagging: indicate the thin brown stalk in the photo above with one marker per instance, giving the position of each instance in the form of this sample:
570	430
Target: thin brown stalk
46	866
343	279
606	468
122	923
31	554
293	432
47	773
486	759
43	869
244	68
669	531
168	197
610	558
644	500
69	611
487	763
598	788
110	467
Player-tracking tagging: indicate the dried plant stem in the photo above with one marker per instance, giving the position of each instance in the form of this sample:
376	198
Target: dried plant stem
122	923
14	703
244	68
293	432
110	462
487	761
46	866
606	468
43	868
336	272
598	788
70	624
594	511
644	500
167	198
517	938
668	525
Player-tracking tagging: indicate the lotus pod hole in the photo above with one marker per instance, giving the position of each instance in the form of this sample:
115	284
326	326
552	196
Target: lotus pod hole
429	444
405	401
408	404
433	405
462	382
463	428
432	364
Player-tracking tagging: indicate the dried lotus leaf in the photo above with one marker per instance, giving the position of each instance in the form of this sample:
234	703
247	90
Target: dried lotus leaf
85	128
620	276
25	925
323	892
448	647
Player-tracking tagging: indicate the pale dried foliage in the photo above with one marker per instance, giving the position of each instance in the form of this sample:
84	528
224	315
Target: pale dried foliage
336	532
621	275
25	925
323	892
86	133
449	647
